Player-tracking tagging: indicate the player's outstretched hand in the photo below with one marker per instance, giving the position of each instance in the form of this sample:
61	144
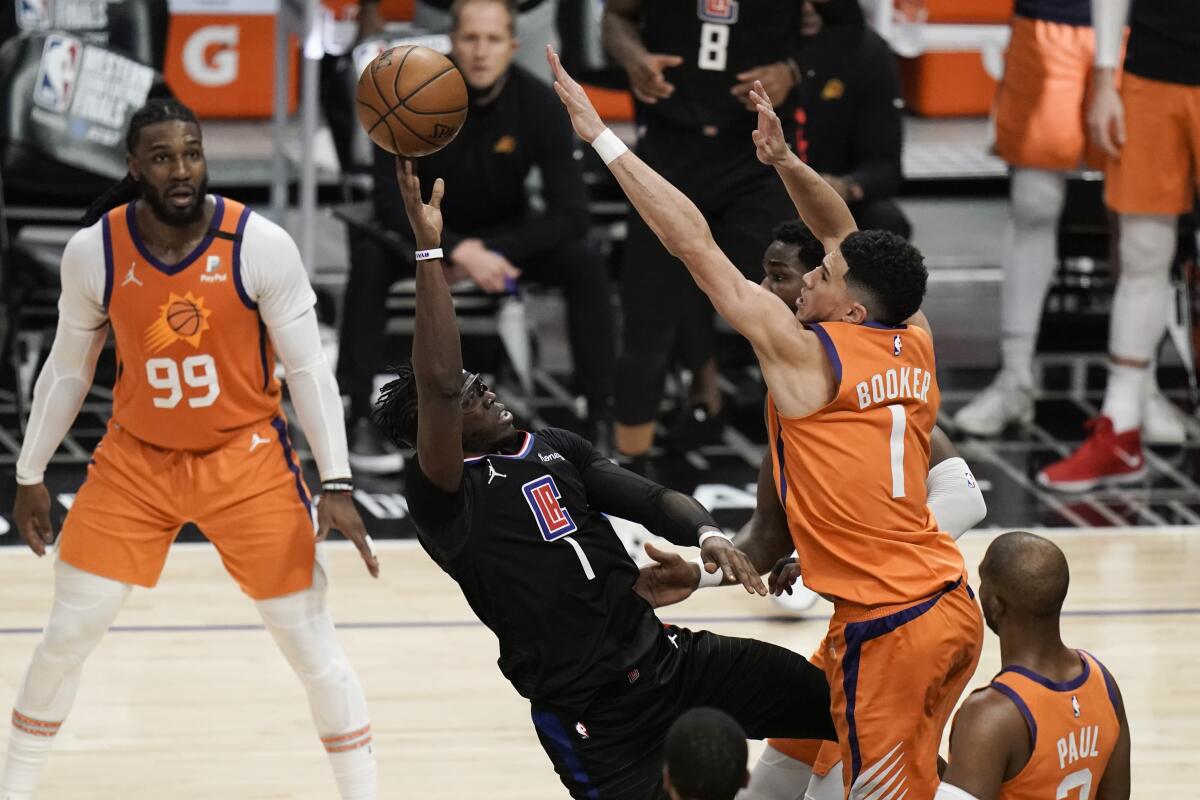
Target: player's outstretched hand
720	553
584	119
783	575
668	580
336	511
32	514
769	143
425	218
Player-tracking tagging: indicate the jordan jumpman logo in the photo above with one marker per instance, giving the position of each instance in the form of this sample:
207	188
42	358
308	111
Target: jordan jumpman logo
492	472
130	277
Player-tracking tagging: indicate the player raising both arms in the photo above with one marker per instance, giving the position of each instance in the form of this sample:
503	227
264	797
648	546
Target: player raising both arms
201	294
517	520
1052	722
853	399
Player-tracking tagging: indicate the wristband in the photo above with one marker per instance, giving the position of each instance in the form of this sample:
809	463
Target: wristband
609	146
709	534
337	487
708	578
429	255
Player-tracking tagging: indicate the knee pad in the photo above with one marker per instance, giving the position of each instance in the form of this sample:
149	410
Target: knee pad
1036	197
85	605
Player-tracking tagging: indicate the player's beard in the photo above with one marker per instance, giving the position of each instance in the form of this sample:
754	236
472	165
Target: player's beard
171	215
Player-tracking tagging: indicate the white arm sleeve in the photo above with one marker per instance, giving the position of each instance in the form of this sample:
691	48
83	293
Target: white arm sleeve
1108	18
274	278
314	393
954	497
948	791
67	374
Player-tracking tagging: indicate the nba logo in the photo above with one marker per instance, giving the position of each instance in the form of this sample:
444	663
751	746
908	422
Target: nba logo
725	11
33	15
1075	705
57	73
897	345
553	520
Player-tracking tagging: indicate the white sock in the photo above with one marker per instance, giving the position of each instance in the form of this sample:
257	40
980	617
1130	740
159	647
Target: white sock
1123	397
1139	311
1030	241
303	629
84	607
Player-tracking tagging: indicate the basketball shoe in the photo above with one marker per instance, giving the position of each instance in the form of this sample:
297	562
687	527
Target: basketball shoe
1002	403
1105	458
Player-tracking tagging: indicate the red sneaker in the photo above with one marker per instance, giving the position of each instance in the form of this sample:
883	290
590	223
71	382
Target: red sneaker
1105	458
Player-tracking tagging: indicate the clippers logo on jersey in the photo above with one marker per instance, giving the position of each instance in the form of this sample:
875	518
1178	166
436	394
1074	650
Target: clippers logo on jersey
543	498
33	15
57	73
725	11
182	319
897	345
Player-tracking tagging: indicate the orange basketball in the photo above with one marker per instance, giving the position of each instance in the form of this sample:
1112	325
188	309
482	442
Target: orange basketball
184	318
411	100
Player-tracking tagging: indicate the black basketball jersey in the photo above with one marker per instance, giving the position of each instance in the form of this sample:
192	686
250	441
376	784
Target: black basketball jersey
717	39
543	570
1164	41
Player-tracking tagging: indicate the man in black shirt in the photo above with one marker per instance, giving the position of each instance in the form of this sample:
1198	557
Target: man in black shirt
496	238
517	519
848	114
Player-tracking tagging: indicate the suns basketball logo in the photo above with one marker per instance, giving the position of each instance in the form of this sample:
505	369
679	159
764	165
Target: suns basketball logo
181	319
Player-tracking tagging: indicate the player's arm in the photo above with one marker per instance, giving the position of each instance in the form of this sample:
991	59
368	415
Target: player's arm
621	38
63	383
986	744
819	205
1116	782
753	311
765	538
436	348
1106	113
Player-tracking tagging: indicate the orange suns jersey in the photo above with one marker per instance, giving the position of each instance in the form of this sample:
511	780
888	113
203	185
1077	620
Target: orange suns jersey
851	475
194	364
1073	727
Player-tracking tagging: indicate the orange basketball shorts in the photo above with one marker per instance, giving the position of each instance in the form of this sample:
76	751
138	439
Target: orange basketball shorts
895	674
1041	102
248	497
1159	166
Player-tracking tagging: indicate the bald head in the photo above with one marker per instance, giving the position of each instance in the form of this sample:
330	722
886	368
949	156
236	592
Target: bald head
1028	573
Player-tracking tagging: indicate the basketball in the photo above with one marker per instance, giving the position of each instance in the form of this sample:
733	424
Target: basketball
184	318
411	101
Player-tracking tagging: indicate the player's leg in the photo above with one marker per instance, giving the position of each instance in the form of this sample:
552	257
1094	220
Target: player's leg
1040	132
85	605
1149	185
116	534
587	289
888	728
254	506
651	288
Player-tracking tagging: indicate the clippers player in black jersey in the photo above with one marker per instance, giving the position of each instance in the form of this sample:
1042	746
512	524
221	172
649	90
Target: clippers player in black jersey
517	519
690	65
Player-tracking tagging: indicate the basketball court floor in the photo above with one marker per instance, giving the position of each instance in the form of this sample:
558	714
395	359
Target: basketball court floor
187	697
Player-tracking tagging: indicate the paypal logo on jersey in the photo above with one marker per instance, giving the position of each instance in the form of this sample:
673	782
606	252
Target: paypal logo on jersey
211	274
57	73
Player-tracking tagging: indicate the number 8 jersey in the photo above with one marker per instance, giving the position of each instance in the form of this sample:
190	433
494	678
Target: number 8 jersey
195	366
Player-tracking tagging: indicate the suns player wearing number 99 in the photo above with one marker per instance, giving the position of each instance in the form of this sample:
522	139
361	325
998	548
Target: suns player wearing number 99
201	294
517	520
1052	723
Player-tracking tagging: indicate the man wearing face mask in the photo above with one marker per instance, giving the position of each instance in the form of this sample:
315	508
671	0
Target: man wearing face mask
493	235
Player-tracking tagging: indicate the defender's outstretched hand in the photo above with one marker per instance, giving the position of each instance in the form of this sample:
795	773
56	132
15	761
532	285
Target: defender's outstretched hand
720	553
668	580
425	218
769	143
584	119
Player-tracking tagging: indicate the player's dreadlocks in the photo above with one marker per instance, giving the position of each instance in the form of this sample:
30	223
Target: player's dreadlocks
395	411
127	189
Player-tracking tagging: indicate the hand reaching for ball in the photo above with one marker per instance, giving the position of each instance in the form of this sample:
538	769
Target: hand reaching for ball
425	218
584	119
